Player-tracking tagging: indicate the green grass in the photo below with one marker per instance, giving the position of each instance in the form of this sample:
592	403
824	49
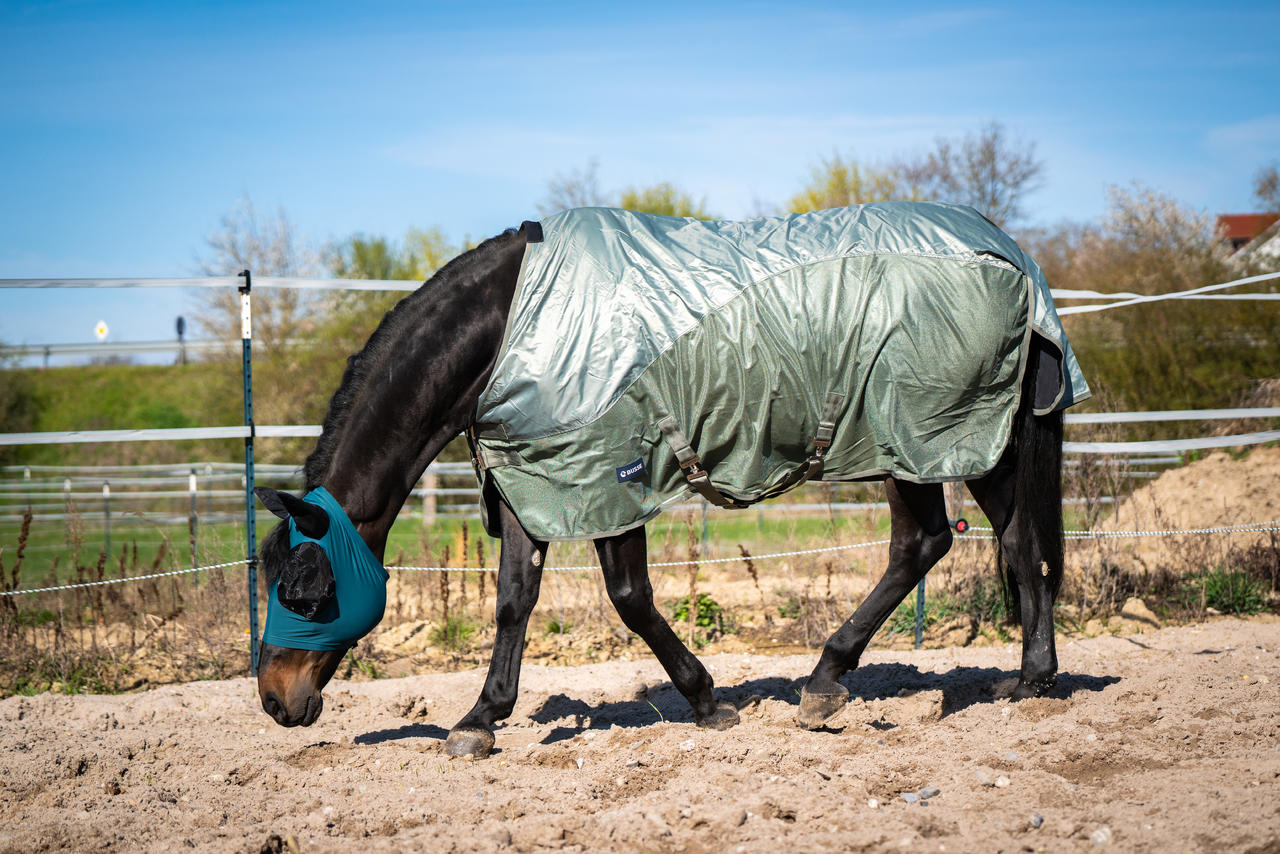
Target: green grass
107	397
1228	590
455	633
557	626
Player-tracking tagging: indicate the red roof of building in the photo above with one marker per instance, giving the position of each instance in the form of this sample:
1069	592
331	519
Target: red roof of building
1239	229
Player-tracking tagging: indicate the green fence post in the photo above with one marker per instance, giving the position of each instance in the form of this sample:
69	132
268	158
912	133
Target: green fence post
251	532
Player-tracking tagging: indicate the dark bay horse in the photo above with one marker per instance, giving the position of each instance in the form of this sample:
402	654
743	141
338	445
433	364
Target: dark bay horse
414	387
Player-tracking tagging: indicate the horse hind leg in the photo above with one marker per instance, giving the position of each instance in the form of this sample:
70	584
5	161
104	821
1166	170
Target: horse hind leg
1028	576
920	536
626	576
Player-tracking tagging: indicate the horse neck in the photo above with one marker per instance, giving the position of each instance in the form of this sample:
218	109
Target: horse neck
421	390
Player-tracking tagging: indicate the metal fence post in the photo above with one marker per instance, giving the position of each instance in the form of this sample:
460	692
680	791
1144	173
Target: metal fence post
920	614
251	533
192	522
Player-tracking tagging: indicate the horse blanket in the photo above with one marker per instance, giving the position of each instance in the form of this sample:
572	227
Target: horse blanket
645	356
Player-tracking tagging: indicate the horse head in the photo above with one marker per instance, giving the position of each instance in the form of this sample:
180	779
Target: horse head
327	591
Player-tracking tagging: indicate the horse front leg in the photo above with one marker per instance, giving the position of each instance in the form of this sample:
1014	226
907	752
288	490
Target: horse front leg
519	579
626	576
919	537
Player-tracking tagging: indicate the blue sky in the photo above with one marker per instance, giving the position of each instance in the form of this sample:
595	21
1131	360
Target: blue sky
127	130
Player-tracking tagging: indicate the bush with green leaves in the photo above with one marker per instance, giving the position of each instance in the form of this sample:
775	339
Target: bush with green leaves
709	616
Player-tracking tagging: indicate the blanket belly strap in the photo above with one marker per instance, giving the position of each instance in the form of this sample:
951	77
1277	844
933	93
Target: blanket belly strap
700	479
697	477
811	469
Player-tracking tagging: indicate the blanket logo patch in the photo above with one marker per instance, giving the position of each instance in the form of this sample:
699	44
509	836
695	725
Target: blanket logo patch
630	471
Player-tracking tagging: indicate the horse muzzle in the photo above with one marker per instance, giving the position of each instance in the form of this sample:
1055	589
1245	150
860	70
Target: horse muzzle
301	710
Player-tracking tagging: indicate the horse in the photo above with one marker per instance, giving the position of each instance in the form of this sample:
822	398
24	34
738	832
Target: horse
417	384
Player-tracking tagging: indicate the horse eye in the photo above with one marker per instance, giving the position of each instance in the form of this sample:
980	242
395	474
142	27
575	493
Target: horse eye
306	584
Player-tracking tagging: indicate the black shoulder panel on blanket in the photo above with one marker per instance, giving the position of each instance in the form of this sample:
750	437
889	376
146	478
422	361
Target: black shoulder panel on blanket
532	230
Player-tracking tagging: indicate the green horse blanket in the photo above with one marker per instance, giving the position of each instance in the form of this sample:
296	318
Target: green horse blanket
647	356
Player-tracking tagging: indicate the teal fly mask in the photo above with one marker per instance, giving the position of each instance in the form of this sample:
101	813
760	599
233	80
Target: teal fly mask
331	591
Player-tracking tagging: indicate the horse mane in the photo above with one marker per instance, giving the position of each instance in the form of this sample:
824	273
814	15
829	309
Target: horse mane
469	266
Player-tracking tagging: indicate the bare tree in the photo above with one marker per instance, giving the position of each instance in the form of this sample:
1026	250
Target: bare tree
1266	187
985	170
266	247
578	188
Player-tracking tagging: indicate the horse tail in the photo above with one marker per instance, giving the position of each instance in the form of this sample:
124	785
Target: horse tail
1037	493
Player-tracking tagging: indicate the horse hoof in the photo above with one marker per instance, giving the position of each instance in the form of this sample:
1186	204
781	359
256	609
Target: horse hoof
816	709
723	717
475	743
1035	688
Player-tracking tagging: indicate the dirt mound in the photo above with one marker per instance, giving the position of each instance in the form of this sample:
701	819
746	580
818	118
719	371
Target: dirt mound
1218	490
1172	743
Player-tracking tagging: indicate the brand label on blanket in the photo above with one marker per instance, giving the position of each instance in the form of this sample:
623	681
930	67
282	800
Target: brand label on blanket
630	471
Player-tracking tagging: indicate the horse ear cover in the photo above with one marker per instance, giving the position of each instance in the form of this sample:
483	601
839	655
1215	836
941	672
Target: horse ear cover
311	520
306	584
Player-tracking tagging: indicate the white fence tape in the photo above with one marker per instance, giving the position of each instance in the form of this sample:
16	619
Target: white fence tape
1126	295
221	282
175	434
195	433
1171	446
1135	300
413	284
1171	415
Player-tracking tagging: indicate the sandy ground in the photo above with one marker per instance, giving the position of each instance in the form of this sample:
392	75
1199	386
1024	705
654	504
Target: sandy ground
1163	741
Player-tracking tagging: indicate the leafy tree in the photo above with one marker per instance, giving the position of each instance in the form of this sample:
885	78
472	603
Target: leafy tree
665	199
837	183
581	188
361	257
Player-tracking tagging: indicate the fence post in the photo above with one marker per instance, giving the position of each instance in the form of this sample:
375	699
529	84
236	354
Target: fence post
251	533
702	546
192	522
430	483
26	479
106	516
920	614
66	497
